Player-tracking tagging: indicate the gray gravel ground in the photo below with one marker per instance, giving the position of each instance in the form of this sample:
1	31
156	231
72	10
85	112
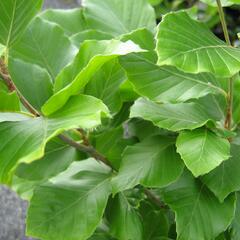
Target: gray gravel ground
12	209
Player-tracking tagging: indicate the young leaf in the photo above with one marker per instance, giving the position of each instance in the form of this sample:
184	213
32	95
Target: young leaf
80	111
174	117
15	16
225	179
32	81
180	44
91	57
124	221
71	205
152	163
167	84
45	44
202	150
118	17
199	214
71	20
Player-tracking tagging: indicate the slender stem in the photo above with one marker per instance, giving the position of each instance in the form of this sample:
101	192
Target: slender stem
84	136
151	196
228	119
88	148
12	87
223	22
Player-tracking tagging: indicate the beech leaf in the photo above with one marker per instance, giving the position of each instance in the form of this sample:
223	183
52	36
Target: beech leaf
179	43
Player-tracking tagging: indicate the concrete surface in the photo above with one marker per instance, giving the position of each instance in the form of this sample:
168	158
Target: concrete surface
12	209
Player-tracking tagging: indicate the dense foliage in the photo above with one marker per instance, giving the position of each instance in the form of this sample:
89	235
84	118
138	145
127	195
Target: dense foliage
116	128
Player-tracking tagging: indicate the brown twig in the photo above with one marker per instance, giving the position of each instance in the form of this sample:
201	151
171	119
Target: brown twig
156	200
87	149
84	137
12	87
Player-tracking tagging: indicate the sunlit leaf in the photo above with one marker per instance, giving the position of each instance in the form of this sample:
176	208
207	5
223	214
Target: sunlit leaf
180	44
91	57
165	83
202	150
119	16
224	179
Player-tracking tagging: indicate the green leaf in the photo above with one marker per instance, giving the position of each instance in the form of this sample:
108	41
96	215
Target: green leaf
149	163
71	20
111	143
155	221
202	150
58	156
80	111
143	37
118	17
167	84
102	233
143	129
91	57
9	102
235	226
124	220
80	37
225	179
15	16
199	214
180	44
174	117
46	45
34	82
155	2
71	205
105	85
